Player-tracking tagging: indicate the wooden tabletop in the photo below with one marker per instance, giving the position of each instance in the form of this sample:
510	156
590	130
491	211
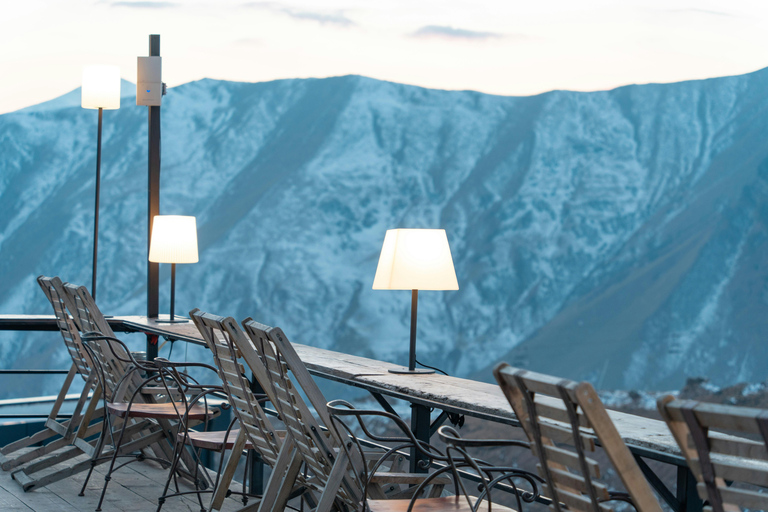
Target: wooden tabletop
443	392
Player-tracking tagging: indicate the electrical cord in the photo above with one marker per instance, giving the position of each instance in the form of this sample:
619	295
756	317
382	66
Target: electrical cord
430	367
456	419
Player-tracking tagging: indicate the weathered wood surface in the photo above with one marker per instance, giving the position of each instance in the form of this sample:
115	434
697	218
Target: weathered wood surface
136	490
460	395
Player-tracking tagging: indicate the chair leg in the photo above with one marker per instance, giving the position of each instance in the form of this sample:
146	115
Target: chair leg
105	425
220	492
108	476
245	476
171	473
282	479
334	482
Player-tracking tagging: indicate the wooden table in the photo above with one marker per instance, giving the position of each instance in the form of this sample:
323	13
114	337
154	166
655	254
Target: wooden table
452	394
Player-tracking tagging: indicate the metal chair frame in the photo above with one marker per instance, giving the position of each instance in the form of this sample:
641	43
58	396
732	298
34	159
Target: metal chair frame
484	471
117	387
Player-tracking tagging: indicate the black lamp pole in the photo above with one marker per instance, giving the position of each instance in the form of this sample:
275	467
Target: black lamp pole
412	352
172	319
414	308
96	213
173	288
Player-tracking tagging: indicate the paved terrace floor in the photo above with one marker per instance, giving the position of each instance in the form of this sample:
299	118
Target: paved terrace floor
134	488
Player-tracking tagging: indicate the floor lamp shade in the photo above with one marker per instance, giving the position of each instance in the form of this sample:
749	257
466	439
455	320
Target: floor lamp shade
415	259
174	239
100	87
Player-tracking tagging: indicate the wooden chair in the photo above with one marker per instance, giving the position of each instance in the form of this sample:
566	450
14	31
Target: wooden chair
57	461
730	471
333	472
455	458
563	420
256	431
144	423
82	423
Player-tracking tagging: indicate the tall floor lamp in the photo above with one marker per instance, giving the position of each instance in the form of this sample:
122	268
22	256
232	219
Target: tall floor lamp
415	259
100	90
174	240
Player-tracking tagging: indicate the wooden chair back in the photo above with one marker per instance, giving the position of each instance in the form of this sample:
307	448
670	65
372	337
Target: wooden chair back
112	359
563	420
61	302
87	315
716	458
218	333
315	444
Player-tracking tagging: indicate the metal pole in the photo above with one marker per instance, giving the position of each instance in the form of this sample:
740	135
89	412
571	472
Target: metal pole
153	269
420	428
173	288
414	307
96	212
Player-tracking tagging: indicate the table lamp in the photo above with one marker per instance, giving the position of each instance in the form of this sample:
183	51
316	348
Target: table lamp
415	259
174	240
100	90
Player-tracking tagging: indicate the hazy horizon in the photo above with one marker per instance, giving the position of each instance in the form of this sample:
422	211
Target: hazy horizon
491	47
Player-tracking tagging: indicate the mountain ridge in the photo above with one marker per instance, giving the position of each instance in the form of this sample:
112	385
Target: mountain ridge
635	211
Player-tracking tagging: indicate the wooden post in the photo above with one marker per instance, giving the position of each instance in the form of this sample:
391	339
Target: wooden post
153	269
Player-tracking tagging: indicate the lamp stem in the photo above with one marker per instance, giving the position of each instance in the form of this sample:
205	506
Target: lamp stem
173	288
414	308
96	213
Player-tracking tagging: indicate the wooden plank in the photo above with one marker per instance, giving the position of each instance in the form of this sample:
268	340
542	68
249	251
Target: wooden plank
564	434
42	500
574	481
555	410
574	501
736	447
569	459
744	498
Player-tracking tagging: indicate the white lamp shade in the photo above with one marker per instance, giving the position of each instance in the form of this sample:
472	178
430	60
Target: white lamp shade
174	239
100	87
415	259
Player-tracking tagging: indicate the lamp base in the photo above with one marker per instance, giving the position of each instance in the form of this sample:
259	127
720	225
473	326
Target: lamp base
174	321
406	371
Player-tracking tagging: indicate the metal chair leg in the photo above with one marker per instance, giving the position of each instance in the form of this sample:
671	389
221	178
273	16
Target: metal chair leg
171	475
108	476
106	425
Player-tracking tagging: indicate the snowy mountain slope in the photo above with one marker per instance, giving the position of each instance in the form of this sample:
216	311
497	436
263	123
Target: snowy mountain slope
615	236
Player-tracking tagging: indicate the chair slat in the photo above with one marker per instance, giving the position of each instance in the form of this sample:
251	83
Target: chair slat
577	483
564	434
569	459
743	498
554	410
547	408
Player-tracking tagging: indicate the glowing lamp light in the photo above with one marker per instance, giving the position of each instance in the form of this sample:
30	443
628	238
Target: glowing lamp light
100	87
415	259
174	240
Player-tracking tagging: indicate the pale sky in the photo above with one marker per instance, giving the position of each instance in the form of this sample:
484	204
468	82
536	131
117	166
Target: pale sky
507	47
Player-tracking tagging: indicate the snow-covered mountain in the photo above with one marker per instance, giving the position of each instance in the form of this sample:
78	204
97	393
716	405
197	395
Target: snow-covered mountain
617	236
